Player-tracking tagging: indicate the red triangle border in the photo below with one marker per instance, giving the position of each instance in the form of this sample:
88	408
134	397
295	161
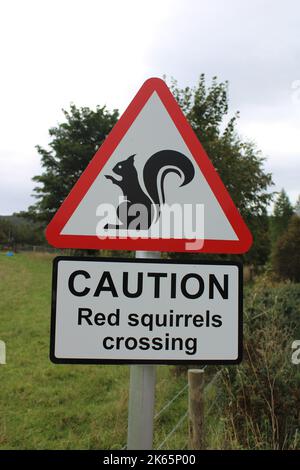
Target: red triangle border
53	231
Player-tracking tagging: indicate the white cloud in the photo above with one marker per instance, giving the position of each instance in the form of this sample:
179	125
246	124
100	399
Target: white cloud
278	140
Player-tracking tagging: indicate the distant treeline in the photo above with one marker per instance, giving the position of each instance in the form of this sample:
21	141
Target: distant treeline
239	163
17	230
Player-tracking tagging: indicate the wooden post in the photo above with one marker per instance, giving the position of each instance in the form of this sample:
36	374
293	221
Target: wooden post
196	409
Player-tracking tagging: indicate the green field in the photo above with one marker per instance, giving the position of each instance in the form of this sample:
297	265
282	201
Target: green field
47	406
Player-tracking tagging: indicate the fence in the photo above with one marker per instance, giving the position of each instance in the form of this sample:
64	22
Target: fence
196	413
21	247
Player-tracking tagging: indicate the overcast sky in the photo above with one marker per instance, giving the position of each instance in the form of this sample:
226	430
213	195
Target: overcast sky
91	52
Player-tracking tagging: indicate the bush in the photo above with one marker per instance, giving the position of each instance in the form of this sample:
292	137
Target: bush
260	399
286	255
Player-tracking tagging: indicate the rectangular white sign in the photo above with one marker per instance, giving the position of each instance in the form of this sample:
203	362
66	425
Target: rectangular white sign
146	311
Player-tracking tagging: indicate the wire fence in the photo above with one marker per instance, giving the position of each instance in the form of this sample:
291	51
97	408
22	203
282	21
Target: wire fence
177	425
169	403
213	380
181	420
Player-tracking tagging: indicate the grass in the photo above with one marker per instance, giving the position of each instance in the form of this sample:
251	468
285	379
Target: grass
47	406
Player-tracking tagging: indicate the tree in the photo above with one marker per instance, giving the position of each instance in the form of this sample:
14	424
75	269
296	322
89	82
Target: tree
283	211
73	144
17	230
261	248
238	162
286	255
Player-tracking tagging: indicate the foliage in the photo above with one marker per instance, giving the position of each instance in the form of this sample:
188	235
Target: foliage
261	248
286	255
73	144
260	399
238	162
283	211
17	230
297	206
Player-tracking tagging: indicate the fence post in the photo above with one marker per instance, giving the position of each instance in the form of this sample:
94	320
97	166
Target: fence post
196	409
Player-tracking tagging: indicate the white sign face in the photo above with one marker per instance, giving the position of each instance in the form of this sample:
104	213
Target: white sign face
146	311
142	155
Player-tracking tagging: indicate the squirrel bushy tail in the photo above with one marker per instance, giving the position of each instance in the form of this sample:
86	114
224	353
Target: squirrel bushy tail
158	166
155	170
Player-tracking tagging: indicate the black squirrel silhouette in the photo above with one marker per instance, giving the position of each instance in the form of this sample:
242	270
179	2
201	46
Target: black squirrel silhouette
136	200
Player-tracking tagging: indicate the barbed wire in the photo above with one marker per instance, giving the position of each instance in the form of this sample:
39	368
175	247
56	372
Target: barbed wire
207	386
210	408
169	403
177	425
165	407
173	430
213	380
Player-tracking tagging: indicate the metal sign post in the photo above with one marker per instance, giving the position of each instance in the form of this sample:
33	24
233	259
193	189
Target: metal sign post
141	396
141	407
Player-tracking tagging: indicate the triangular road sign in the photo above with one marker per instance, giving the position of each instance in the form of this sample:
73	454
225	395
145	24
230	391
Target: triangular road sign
150	186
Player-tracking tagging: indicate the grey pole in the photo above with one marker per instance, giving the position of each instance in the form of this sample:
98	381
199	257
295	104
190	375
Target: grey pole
141	396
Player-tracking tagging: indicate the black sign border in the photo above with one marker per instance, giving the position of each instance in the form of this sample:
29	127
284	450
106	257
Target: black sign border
59	360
